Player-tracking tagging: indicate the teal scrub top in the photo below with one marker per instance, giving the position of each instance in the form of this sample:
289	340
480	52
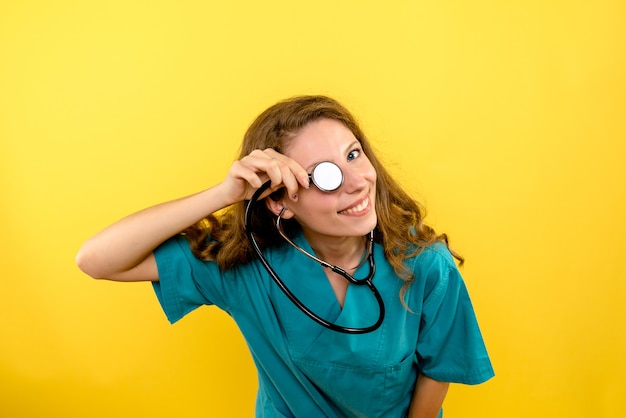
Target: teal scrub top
306	370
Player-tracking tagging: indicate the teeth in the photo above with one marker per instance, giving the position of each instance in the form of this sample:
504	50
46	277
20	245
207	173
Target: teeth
358	208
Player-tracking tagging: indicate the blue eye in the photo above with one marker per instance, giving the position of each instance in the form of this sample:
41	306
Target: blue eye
353	154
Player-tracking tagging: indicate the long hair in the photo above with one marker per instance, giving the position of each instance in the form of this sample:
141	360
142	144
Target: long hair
400	228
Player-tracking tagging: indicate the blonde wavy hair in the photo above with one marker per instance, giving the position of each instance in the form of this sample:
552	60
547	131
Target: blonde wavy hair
400	228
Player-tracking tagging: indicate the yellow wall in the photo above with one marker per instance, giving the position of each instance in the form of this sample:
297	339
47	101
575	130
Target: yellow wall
508	119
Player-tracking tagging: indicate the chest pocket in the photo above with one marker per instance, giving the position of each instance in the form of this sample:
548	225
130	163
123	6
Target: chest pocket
361	391
363	375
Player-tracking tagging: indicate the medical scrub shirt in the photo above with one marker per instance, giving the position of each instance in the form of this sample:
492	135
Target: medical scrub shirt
306	370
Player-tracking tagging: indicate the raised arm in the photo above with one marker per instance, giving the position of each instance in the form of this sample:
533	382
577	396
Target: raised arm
123	251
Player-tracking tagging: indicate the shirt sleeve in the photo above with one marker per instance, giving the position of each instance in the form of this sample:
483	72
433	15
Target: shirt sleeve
450	346
185	282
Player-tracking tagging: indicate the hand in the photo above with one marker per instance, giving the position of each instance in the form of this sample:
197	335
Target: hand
253	170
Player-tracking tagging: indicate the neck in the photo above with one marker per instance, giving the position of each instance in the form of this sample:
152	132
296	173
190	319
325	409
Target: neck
346	252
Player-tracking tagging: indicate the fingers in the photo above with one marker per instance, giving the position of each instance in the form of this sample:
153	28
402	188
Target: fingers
288	173
262	165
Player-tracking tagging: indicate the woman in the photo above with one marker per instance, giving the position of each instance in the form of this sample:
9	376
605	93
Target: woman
399	367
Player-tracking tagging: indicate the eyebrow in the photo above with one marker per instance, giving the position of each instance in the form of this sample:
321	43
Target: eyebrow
349	147
345	151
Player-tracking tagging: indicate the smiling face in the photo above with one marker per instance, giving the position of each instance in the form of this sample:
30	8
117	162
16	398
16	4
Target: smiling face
348	211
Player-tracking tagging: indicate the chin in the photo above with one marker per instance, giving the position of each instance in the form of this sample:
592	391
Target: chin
368	224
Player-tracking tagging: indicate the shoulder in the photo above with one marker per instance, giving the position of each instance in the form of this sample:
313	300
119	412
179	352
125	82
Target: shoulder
435	256
434	270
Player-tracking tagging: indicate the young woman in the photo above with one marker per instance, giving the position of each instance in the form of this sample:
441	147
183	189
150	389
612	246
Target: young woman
389	321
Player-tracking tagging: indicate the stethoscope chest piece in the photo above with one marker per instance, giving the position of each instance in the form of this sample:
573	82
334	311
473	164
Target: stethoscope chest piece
327	176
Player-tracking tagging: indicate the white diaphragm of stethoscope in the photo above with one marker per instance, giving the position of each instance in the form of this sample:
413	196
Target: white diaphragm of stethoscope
326	176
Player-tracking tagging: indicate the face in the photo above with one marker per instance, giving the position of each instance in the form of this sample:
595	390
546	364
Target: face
348	211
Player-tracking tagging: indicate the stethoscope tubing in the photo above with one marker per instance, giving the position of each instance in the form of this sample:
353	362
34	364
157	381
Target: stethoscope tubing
281	285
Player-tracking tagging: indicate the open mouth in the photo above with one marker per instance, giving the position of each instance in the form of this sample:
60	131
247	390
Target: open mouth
362	206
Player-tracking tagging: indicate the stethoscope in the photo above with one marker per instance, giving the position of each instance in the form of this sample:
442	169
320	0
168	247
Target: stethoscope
327	177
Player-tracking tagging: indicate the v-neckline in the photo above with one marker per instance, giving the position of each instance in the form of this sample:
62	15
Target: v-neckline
332	277
302	242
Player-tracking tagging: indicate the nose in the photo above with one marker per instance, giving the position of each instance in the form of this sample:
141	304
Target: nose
353	179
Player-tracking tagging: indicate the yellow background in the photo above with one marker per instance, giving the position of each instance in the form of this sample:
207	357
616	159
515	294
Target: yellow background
507	119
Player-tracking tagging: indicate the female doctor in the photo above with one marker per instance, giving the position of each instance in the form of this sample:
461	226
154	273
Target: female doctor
351	306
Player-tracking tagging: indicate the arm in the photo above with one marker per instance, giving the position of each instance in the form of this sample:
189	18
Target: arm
123	251
427	397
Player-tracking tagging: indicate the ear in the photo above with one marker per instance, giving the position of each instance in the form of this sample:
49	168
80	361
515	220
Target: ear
276	206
